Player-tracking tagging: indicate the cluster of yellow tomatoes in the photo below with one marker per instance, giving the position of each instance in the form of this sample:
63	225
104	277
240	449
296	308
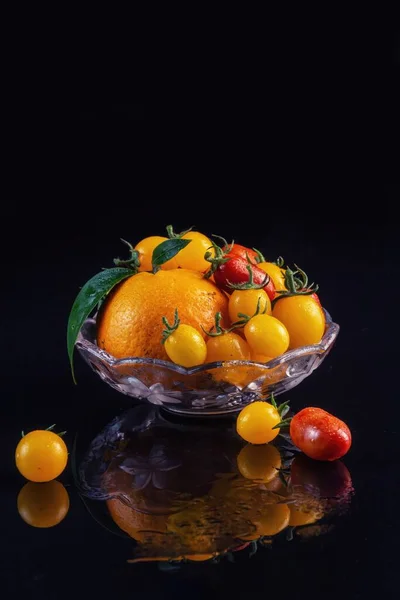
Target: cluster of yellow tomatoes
271	307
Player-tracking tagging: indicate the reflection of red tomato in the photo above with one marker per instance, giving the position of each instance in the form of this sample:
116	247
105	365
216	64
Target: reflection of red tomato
320	479
319	434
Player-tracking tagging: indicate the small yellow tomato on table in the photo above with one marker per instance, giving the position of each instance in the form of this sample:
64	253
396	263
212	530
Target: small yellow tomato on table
256	423
41	455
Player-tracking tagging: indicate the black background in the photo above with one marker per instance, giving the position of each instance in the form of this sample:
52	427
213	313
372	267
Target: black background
306	170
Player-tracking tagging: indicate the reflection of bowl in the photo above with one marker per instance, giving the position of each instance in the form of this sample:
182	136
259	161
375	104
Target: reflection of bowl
209	389
192	491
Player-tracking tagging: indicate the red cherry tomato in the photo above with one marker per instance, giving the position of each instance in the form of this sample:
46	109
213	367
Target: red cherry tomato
242	251
319	434
320	479
235	271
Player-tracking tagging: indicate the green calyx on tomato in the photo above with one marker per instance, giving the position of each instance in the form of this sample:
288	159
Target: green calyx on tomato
172	235
296	283
283	410
250	284
170	328
132	262
279	262
61	434
219	258
243	319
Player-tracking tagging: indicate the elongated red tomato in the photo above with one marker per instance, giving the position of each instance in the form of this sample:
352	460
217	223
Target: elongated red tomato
319	434
242	251
236	271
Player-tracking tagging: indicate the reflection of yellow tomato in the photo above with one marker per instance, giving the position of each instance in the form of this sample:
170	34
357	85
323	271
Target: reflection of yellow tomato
303	318
43	504
41	455
259	462
274	518
146	247
299	516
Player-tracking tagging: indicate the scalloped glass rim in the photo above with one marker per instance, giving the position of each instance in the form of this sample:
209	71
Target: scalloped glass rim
330	335
216	388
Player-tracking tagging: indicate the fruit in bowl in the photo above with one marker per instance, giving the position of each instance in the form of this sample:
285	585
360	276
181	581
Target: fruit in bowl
184	313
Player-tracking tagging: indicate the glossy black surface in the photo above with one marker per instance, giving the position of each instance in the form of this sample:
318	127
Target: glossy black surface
351	251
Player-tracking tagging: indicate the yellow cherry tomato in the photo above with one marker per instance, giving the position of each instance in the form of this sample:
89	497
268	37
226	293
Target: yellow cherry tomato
246	302
41	455
146	247
192	257
261	358
43	504
228	346
259	463
186	346
256	421
266	335
303	318
276	273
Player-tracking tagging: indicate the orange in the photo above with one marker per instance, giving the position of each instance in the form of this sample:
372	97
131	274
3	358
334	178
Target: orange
136	524
130	322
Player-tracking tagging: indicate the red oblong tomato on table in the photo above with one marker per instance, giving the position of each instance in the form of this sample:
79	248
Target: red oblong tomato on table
319	434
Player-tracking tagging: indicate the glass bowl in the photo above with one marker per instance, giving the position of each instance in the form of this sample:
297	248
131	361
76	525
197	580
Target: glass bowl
216	388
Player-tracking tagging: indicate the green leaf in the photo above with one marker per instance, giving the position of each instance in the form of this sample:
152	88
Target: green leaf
92	292
167	250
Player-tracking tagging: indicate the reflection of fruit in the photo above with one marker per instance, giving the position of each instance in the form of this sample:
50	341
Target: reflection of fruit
319	434
320	479
274	518
189	557
194	527
139	526
43	504
259	462
130	322
303	318
41	455
299	516
146	247
256	421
